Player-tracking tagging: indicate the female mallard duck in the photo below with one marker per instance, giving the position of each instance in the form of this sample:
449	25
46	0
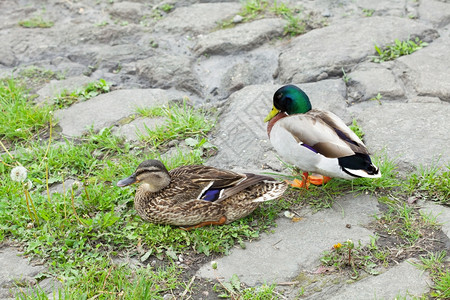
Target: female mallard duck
196	196
314	140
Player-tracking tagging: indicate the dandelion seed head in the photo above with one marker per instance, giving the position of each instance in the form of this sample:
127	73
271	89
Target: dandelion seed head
19	174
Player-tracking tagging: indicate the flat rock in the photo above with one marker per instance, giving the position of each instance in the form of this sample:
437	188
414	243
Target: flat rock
130	11
112	57
412	133
427	69
76	119
222	75
370	79
329	49
7	57
17	270
414	282
242	37
56	87
198	18
435	12
293	247
381	8
241	136
167	70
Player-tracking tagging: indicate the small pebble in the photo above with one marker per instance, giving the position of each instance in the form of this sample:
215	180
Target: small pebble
238	19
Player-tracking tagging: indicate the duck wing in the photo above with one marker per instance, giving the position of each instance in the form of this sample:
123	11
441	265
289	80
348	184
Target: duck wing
212	184
202	182
323	132
250	180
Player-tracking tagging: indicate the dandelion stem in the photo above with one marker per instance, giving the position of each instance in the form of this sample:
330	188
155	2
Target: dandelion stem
28	205
46	183
49	142
6	150
32	205
87	194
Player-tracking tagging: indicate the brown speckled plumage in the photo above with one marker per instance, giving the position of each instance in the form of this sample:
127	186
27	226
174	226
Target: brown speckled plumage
177	202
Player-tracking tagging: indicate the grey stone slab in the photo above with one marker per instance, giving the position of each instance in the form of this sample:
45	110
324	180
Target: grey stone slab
7	57
382	7
56	87
198	18
107	109
413	283
294	247
370	79
167	70
342	44
435	12
222	75
15	269
427	69
412	133
242	37
241	136
126	10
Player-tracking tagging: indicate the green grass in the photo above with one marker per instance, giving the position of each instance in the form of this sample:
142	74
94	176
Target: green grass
431	183
77	231
256	9
357	129
407	229
234	289
345	76
20	119
397	49
378	98
80	230
36	22
104	281
439	271
166	7
90	90
181	122
35	77
368	12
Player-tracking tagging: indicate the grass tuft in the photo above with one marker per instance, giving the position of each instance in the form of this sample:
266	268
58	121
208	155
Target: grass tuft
397	49
90	90
36	22
430	183
181	122
20	119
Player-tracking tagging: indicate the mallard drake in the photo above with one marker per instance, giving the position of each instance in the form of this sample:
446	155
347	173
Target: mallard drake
315	140
195	196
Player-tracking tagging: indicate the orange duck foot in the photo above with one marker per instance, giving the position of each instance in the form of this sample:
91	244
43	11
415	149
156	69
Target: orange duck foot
298	184
315	179
221	221
318	179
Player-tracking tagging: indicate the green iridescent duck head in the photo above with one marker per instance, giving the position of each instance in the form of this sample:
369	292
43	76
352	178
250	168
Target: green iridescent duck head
290	100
